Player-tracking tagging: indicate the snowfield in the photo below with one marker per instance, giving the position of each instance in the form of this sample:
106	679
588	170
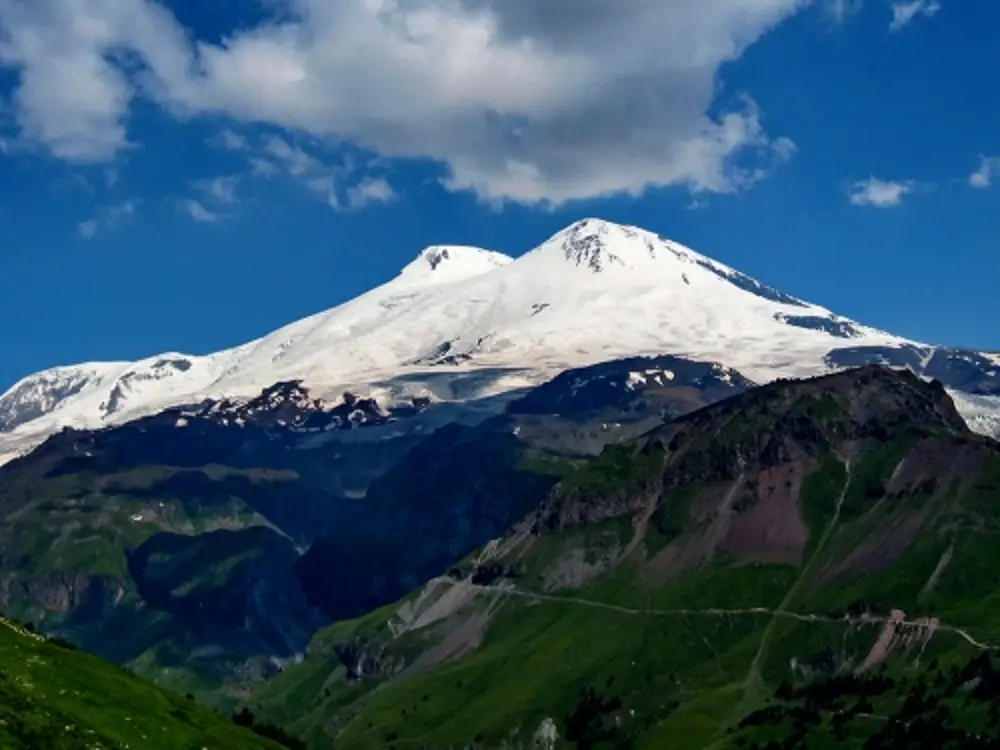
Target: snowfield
461	323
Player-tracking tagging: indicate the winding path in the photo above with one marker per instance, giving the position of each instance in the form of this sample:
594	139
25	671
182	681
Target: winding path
863	619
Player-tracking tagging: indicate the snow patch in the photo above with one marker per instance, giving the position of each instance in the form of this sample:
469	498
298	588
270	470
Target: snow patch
644	378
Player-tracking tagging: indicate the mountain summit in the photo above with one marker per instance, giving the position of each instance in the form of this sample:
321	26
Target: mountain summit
444	263
461	323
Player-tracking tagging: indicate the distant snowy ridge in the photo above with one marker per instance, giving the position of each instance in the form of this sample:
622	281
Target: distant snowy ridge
461	323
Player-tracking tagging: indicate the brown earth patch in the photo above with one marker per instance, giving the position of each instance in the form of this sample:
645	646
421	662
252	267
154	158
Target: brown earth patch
772	530
665	564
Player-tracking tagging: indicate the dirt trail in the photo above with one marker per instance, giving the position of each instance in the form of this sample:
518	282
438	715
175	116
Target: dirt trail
753	684
896	620
863	619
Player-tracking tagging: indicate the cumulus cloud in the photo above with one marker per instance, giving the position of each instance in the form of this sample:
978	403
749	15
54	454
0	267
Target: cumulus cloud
517	99
903	14
198	212
879	193
989	167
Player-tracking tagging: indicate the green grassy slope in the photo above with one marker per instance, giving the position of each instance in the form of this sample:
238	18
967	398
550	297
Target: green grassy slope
667	597
56	698
149	565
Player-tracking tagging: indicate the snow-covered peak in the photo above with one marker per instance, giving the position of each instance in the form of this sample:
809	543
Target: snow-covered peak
468	322
599	246
37	395
447	263
605	248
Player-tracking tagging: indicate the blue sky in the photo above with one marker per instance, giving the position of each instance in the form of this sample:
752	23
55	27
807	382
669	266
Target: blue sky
161	192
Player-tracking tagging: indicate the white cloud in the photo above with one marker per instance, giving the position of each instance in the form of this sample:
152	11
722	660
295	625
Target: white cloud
260	167
107	218
989	167
198	212
294	159
220	189
278	156
230	141
119	213
879	193
840	10
906	12
518	99
87	229
338	183
370	190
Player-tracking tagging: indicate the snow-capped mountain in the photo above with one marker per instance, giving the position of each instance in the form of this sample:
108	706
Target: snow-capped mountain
461	323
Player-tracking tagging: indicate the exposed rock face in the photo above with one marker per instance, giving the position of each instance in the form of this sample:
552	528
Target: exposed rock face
366	661
546	736
63	592
34	398
742	464
291	405
668	386
962	369
831	324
